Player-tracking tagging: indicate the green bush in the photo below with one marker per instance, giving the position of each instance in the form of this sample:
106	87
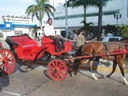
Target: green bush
123	30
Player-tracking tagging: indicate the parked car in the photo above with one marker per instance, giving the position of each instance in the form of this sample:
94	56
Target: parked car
111	38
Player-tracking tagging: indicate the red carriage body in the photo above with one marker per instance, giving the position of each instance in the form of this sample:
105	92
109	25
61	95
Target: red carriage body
28	49
25	48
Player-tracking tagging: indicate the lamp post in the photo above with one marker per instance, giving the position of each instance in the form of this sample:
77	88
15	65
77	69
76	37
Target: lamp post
66	19
117	17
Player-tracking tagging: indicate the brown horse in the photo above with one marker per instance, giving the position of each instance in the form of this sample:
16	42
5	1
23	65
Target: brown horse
95	48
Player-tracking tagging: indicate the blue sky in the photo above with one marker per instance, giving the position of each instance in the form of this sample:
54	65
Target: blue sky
18	7
14	7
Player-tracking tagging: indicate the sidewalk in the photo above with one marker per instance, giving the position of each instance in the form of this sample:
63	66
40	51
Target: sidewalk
103	65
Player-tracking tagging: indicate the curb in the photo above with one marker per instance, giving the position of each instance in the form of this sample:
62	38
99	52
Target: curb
100	68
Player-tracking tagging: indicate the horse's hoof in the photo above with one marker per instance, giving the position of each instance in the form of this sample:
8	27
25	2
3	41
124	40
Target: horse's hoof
95	78
72	75
29	69
104	76
126	82
108	76
93	75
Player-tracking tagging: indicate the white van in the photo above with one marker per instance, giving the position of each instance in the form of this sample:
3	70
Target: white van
111	38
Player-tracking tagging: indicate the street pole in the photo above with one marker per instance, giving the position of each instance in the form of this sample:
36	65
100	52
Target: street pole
66	19
117	17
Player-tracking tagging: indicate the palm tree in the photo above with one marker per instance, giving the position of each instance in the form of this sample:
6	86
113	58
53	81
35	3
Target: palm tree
39	9
84	3
87	27
100	4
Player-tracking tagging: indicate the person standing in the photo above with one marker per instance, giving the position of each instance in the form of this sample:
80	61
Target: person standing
79	39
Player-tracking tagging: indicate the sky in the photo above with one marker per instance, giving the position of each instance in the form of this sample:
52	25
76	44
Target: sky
18	7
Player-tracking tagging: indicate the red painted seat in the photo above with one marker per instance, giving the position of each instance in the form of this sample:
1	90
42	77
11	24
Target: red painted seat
52	48
23	45
46	41
23	41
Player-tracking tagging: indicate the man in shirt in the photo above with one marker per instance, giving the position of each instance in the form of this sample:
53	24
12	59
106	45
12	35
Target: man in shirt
50	32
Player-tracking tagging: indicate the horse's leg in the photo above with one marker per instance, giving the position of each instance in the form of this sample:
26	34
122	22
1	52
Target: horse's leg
113	70
77	64
90	68
120	63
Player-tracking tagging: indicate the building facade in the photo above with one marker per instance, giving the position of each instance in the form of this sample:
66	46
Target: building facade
16	25
113	9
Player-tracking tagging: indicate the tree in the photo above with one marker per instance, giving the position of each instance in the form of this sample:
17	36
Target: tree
87	27
100	4
39	9
123	30
84	3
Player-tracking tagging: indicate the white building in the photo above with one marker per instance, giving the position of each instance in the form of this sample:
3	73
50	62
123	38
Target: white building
75	15
16	25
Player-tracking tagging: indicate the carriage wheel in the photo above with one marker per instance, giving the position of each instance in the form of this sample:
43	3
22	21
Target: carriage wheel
7	61
57	70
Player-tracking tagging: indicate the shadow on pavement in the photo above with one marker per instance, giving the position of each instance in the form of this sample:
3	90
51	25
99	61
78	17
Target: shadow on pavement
4	81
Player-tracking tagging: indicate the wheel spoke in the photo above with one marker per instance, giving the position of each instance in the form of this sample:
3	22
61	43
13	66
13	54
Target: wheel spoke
10	58
10	63
8	67
63	69
1	58
60	75
63	72
56	63
56	75
7	55
61	66
52	69
3	55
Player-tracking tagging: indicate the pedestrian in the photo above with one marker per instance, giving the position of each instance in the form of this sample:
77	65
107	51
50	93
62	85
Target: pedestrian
49	31
79	39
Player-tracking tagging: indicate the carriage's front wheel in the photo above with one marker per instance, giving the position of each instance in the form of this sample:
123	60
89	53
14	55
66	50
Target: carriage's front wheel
57	70
7	61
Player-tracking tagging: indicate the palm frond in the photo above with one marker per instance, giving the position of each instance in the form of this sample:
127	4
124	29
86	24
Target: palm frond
39	9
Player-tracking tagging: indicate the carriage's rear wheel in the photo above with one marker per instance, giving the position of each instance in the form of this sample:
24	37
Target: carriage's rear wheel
57	70
7	61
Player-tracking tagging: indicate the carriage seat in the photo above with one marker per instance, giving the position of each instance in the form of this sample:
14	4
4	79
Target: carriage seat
23	41
47	40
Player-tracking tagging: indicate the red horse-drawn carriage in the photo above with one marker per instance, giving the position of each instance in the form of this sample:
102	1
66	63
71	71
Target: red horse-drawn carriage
23	48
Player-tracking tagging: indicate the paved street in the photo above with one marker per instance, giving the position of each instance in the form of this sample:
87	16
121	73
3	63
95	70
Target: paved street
36	83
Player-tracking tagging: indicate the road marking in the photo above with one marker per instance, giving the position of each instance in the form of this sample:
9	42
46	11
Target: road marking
11	93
